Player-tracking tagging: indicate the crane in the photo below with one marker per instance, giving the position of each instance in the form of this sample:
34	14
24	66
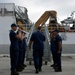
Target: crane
46	15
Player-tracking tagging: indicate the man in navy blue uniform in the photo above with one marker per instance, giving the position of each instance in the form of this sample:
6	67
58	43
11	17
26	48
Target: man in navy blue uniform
14	49
53	49
57	47
20	56
24	48
38	48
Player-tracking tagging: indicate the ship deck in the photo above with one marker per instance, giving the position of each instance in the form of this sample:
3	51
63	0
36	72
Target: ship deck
68	67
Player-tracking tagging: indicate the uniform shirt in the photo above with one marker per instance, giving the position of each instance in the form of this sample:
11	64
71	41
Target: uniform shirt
54	43
38	38
20	45
13	40
24	44
52	46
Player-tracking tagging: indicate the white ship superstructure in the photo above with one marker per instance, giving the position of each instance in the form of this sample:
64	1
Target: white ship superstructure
10	13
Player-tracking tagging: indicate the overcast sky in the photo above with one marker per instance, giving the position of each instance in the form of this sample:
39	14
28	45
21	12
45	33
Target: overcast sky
37	7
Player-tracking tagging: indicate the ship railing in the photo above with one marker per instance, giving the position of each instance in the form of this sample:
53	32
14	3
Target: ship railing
30	33
19	14
47	33
7	9
23	12
47	52
26	27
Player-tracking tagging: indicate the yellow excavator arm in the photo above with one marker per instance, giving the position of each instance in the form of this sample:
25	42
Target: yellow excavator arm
46	15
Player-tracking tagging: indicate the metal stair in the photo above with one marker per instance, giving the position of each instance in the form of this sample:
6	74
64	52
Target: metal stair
47	57
19	14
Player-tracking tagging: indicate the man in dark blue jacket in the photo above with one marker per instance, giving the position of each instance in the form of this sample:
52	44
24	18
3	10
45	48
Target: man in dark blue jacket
22	51
57	47
38	48
14	48
53	49
24	45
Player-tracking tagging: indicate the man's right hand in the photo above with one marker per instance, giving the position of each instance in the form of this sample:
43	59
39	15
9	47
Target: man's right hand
19	29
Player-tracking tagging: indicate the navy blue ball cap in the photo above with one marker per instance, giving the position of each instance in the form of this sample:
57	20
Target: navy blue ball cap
14	25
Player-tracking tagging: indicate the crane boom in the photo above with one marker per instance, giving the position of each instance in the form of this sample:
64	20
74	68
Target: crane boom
45	17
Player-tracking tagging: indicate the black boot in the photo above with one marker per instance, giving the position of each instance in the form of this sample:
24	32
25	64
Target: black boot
37	71
58	69
40	69
24	65
20	69
14	73
55	67
52	65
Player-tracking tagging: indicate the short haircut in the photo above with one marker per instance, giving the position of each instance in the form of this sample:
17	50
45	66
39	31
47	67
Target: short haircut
56	31
13	25
39	28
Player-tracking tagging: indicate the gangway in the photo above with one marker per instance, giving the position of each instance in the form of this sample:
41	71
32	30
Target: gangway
41	21
47	54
